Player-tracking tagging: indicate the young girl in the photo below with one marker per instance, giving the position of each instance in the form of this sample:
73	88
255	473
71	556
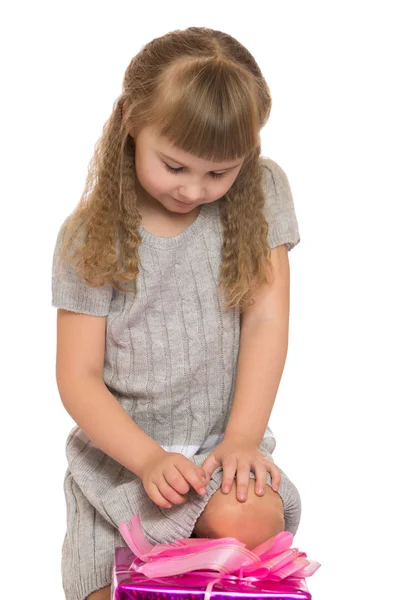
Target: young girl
174	259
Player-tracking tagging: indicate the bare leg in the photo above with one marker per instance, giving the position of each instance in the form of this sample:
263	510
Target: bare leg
251	522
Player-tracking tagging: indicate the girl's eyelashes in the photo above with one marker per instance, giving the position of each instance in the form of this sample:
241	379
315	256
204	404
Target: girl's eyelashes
176	171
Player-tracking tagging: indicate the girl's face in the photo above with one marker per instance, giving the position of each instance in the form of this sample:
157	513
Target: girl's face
194	182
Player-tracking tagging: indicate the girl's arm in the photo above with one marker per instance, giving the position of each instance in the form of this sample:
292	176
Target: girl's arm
79	373
262	354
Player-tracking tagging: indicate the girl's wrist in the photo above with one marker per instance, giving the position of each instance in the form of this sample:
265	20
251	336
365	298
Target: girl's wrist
153	455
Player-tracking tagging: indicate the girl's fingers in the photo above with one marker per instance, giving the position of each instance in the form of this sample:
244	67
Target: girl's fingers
228	475
260	472
193	475
242	481
204	476
154	494
169	493
176	480
275	476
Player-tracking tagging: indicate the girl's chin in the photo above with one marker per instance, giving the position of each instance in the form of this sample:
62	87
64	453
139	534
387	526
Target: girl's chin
184	204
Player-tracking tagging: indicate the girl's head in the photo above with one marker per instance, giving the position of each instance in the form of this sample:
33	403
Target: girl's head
198	97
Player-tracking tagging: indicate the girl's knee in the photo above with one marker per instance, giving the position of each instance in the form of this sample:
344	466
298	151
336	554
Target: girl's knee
251	522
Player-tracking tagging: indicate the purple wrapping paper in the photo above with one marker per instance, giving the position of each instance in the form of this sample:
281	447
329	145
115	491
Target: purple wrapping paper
129	585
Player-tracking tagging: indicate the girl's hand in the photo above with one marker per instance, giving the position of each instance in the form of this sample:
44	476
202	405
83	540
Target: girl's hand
166	478
241	456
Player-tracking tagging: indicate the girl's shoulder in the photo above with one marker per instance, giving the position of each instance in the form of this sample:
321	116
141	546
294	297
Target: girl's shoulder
273	172
279	208
68	289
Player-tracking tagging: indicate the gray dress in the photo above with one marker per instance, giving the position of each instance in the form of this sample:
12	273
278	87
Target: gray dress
170	360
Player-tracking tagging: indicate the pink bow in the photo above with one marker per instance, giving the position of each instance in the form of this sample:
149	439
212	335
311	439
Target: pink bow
274	559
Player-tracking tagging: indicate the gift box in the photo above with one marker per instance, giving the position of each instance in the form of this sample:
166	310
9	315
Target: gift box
203	568
127	584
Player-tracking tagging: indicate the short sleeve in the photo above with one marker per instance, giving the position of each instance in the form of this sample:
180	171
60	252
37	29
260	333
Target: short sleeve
279	207
70	292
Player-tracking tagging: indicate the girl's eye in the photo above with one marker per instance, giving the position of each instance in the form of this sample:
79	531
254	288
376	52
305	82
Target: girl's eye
176	171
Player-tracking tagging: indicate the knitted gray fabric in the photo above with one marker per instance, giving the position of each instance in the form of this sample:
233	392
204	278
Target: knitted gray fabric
170	360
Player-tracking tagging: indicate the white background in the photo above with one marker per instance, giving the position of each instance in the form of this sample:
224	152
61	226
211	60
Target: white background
334	129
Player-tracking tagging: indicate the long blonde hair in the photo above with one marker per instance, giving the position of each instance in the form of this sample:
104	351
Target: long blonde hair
205	93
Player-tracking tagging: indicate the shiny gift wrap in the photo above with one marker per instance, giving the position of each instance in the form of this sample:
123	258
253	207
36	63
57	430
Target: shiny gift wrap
204	567
127	584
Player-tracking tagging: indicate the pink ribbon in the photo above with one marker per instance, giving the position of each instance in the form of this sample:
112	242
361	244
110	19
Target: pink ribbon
272	560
